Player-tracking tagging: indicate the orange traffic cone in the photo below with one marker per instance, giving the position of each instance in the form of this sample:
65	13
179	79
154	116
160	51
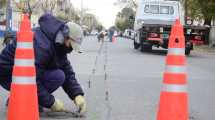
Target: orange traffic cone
174	98
113	39
23	102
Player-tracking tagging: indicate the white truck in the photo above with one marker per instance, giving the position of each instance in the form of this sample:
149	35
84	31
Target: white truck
153	22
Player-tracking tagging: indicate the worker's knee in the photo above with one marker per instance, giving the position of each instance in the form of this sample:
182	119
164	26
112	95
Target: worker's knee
53	79
59	76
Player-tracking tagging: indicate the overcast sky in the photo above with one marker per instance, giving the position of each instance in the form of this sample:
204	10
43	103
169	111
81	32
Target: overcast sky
103	9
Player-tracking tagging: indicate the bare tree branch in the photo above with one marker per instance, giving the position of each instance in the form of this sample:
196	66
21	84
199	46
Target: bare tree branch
53	5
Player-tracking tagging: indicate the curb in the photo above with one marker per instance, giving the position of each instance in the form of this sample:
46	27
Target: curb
204	49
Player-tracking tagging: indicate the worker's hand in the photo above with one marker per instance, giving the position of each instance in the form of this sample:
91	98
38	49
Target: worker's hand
80	103
58	106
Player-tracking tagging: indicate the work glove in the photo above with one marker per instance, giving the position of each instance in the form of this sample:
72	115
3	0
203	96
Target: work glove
58	106
80	103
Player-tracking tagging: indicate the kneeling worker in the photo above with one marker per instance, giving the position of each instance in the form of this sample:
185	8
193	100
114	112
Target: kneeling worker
53	40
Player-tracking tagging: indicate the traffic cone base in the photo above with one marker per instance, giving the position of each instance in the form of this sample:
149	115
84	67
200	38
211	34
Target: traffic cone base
173	106
22	102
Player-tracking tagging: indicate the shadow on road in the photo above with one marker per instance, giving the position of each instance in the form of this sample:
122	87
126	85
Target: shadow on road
162	52
61	115
156	52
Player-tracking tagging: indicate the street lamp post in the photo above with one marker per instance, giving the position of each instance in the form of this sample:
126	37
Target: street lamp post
9	17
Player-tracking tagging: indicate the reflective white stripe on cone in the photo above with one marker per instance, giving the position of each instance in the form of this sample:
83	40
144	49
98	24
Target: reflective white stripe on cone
24	80
176	51
176	69
24	62
174	88
25	45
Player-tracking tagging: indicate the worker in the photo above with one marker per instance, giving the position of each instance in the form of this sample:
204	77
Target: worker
53	40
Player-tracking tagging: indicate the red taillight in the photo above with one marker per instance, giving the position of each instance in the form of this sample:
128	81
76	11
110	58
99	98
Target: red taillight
197	37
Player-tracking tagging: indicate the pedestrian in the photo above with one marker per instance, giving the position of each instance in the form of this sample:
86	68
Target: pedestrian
110	34
101	36
53	40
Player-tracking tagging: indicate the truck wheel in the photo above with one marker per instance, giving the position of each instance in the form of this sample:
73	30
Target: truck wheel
187	51
149	48
136	45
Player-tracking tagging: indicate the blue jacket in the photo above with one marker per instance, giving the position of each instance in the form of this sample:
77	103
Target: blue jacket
47	56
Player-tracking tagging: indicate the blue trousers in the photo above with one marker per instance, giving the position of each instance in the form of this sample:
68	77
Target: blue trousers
51	80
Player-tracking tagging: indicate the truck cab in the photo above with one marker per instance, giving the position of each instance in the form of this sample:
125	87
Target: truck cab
153	23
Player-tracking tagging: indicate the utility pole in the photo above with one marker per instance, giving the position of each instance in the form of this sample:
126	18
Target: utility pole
9	17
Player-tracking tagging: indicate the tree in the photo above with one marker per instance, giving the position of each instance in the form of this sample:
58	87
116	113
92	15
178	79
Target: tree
3	3
208	10
122	24
49	5
91	22
27	6
65	10
200	9
125	19
126	4
99	27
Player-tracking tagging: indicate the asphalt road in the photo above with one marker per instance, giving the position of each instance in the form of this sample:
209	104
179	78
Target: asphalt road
125	83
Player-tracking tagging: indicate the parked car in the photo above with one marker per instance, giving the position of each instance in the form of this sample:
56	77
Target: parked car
129	33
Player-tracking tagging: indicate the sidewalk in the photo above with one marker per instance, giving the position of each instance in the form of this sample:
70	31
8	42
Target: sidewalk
204	49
